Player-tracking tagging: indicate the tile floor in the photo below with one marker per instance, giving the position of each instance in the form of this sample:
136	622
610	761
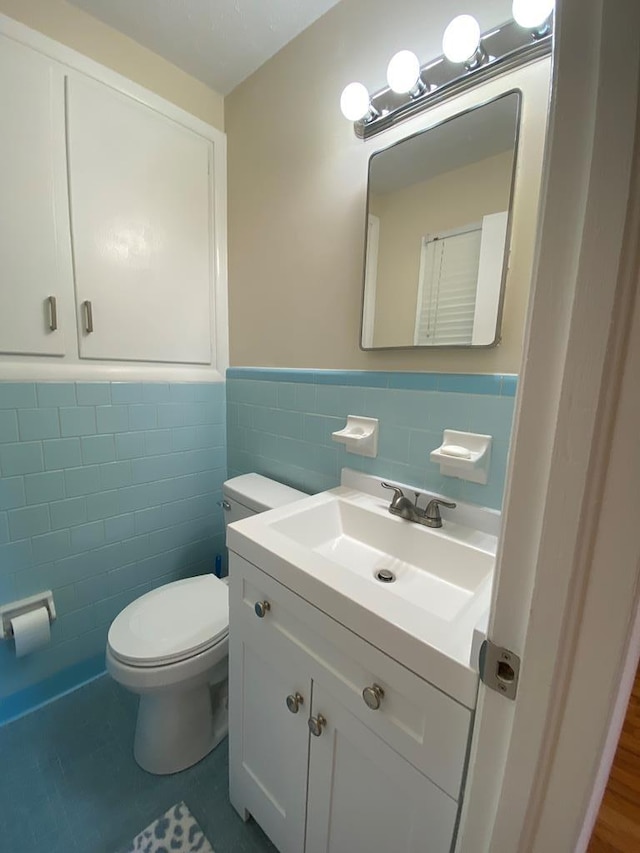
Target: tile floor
69	784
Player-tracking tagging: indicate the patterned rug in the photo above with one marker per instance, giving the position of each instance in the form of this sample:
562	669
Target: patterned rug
177	831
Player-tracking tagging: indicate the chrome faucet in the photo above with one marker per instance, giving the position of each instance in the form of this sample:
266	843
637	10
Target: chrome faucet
401	506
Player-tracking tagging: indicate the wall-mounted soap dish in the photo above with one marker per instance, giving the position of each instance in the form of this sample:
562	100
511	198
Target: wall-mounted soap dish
360	435
465	455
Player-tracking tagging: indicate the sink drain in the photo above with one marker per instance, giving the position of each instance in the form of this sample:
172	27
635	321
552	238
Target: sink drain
385	576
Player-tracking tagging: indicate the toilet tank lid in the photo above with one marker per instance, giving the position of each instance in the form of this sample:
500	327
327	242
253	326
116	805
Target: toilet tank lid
259	493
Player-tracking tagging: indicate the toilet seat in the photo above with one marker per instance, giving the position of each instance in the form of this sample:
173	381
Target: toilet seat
172	623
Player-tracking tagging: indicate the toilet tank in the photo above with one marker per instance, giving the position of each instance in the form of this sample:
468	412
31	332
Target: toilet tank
249	494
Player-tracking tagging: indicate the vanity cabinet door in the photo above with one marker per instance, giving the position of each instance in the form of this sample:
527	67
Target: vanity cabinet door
36	281
268	737
142	229
363	796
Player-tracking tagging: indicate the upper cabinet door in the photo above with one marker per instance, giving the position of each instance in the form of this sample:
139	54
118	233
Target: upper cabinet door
141	223
34	230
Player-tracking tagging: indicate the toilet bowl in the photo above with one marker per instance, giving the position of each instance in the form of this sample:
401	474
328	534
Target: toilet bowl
170	647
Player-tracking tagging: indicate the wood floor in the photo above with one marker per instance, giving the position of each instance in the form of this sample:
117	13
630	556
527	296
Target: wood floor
617	828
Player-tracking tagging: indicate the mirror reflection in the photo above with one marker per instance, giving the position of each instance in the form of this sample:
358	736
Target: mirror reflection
437	232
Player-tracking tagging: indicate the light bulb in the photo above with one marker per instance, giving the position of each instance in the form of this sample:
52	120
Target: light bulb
532	14
403	72
355	102
461	38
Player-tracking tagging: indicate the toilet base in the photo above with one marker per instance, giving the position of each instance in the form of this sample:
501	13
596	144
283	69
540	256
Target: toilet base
176	730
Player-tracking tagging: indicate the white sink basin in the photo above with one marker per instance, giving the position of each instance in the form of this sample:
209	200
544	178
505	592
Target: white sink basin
439	572
328	548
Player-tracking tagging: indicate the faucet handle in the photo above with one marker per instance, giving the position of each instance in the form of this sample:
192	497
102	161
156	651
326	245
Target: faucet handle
432	511
397	493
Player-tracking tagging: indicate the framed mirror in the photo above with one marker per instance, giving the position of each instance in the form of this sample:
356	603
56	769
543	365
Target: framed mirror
437	237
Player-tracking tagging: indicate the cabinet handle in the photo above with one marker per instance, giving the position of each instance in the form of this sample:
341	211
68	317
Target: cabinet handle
261	608
294	700
316	724
373	696
88	316
53	313
226	506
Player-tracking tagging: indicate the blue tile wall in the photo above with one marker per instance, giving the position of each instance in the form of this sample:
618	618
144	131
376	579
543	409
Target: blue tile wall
280	424
106	491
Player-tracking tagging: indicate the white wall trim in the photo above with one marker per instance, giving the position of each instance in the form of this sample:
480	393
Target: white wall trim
71	368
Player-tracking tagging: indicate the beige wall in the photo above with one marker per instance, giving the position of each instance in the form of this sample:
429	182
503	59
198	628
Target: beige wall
82	32
449	201
297	181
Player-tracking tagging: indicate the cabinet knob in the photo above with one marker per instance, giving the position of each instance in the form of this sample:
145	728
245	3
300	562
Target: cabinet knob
226	506
294	700
261	608
316	724
373	696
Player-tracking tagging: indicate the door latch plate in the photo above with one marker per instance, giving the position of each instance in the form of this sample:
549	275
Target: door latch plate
499	669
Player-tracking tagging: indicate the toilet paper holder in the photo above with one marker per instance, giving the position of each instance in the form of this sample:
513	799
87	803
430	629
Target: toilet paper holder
18	608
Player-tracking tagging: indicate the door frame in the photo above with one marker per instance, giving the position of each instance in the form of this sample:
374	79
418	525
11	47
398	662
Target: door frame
555	589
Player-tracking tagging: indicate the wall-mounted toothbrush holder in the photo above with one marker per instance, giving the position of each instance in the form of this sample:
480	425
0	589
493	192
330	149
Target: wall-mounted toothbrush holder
465	455
360	435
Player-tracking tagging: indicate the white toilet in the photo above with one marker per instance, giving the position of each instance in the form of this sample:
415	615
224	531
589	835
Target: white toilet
170	647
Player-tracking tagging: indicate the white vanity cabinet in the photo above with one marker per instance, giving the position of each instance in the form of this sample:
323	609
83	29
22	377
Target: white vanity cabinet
34	243
320	770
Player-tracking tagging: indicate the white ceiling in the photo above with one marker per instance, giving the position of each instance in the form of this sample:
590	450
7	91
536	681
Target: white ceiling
220	42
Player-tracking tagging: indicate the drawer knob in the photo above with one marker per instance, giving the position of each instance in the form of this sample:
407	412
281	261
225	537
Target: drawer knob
316	724
294	700
373	696
261	608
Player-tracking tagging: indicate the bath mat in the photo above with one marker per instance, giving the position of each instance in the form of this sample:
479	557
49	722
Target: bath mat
177	831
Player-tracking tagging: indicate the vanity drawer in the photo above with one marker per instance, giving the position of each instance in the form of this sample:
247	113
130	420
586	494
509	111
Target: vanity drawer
417	720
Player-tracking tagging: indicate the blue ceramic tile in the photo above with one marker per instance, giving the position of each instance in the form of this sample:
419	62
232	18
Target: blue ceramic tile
156	442
87	536
119	528
103	505
4	528
414	381
51	546
8	425
126	392
56	394
170	415
15	556
509	386
82	481
17	395
93	393
98	448
34	424
24	458
129	445
115	475
62	453
12	492
28	521
112	419
77	421
143	416
462	383
156	392
68	513
43	488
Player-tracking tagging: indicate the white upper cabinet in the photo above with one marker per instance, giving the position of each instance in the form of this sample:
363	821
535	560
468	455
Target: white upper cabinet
141	225
35	272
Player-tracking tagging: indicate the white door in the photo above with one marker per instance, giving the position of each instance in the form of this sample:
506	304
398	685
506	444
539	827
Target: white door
141	227
363	796
268	740
36	276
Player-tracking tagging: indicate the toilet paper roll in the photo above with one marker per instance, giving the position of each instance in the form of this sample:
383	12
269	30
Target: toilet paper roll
31	631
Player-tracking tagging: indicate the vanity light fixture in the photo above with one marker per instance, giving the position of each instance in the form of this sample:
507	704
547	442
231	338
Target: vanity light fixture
469	55
355	103
461	42
403	75
534	15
